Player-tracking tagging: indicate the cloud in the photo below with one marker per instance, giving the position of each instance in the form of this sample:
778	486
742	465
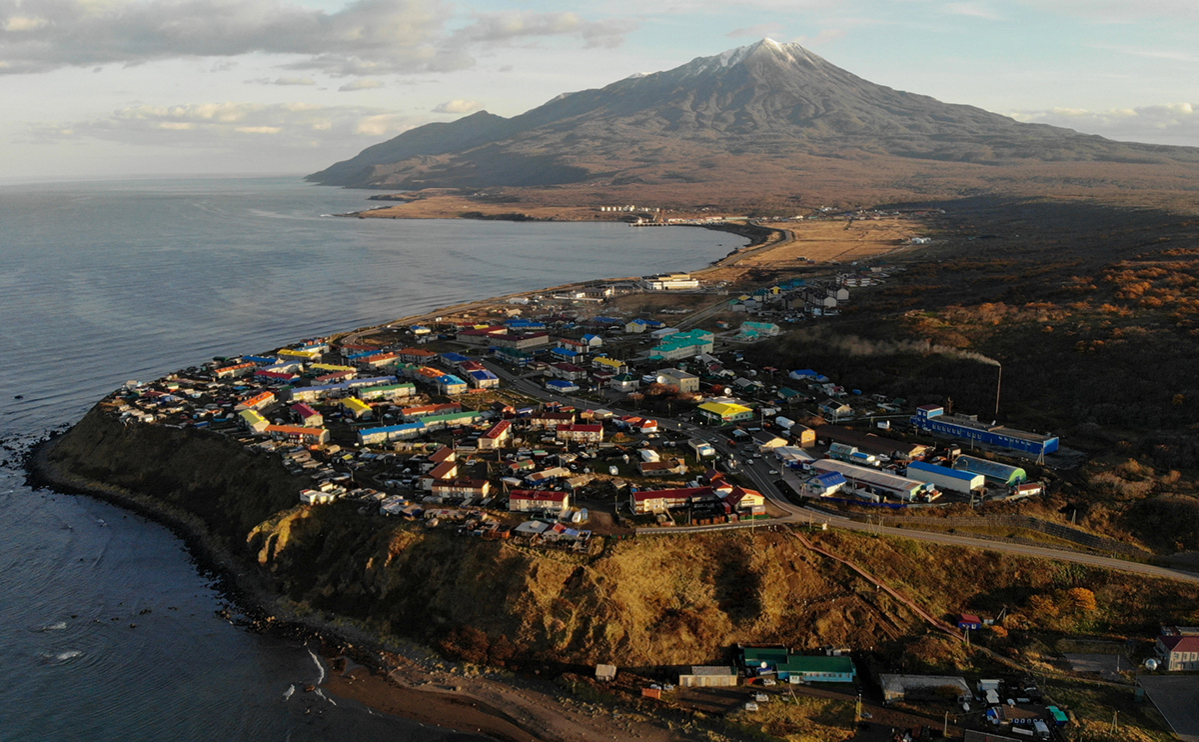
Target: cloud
497	28
760	31
363	84
826	36
1117	11
282	81
363	37
397	35
228	126
1175	123
457	106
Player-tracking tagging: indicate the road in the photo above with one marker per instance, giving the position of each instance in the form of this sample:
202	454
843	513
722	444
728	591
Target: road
758	472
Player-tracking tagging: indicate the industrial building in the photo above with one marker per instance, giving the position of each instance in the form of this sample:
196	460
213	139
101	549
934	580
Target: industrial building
992	470
706	676
946	479
724	412
878	482
932	418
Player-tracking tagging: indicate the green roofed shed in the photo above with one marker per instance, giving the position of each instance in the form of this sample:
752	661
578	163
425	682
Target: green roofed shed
818	669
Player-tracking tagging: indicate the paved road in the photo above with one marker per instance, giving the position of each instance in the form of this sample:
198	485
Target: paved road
758	473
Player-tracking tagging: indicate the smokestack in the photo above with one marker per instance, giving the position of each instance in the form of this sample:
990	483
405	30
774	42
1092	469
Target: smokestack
998	383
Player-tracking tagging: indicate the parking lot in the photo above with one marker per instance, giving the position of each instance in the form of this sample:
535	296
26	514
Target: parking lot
1177	698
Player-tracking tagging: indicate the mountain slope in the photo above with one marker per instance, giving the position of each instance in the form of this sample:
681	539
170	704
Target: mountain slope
757	103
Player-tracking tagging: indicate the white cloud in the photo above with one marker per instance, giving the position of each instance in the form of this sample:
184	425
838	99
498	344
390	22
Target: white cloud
493	28
24	23
1117	11
363	37
826	36
457	106
228	126
1175	123
363	84
282	81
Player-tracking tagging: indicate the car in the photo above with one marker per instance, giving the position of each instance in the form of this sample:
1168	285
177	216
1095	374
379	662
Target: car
773	472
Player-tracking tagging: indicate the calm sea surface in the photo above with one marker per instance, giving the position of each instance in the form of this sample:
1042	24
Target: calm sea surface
107	630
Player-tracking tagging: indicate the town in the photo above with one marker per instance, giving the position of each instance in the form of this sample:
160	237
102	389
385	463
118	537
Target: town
630	409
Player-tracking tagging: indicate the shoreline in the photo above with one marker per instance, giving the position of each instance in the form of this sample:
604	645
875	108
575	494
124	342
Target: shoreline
388	679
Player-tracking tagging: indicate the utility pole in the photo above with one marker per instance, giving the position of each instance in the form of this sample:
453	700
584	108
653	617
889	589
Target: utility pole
945	727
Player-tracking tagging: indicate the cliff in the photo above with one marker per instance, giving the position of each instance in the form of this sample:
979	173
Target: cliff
648	601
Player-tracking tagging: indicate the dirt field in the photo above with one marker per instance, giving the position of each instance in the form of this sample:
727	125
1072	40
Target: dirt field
821	242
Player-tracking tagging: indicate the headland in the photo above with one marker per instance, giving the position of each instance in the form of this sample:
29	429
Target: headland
479	481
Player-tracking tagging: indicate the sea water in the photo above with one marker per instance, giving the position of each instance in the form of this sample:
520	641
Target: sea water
107	629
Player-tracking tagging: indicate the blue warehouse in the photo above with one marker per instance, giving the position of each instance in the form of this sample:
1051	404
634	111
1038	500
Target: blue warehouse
932	418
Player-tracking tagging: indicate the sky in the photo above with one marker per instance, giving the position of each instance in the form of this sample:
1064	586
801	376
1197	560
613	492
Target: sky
119	88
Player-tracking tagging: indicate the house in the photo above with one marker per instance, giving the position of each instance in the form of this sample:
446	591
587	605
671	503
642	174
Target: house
527	501
561	386
309	417
604	363
306	436
969	621
662	468
316	497
544	419
1178	648
643	325
659	501
461	488
356	408
831	408
683	381
825	484
253	421
256	401
625	383
499	434
580	433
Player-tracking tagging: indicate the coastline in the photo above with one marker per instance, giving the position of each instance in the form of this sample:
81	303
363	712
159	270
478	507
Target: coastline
406	679
410	681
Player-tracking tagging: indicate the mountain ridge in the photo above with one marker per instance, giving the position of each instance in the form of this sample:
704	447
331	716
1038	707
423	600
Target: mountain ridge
763	102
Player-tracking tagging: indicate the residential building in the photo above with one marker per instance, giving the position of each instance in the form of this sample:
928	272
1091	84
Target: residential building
580	433
1178	648
495	438
683	345
529	501
684	381
306	436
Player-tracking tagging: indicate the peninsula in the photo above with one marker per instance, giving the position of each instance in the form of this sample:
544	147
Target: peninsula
924	445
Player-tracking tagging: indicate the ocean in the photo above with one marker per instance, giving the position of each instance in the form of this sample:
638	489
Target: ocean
108	630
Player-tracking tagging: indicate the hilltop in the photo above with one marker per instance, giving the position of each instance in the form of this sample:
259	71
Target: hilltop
768	123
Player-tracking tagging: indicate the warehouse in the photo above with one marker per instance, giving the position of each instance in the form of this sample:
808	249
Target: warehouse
946	479
992	470
878	482
724	412
706	676
932	418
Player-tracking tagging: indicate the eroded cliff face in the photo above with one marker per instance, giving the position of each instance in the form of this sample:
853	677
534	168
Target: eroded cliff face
646	601
641	602
212	478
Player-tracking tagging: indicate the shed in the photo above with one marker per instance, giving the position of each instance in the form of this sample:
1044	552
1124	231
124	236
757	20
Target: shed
605	673
969	621
706	676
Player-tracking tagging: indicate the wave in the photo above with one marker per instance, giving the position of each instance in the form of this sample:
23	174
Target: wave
56	626
288	693
319	666
61	658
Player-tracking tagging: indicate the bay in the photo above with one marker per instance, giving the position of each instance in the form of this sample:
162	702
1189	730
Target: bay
107	629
